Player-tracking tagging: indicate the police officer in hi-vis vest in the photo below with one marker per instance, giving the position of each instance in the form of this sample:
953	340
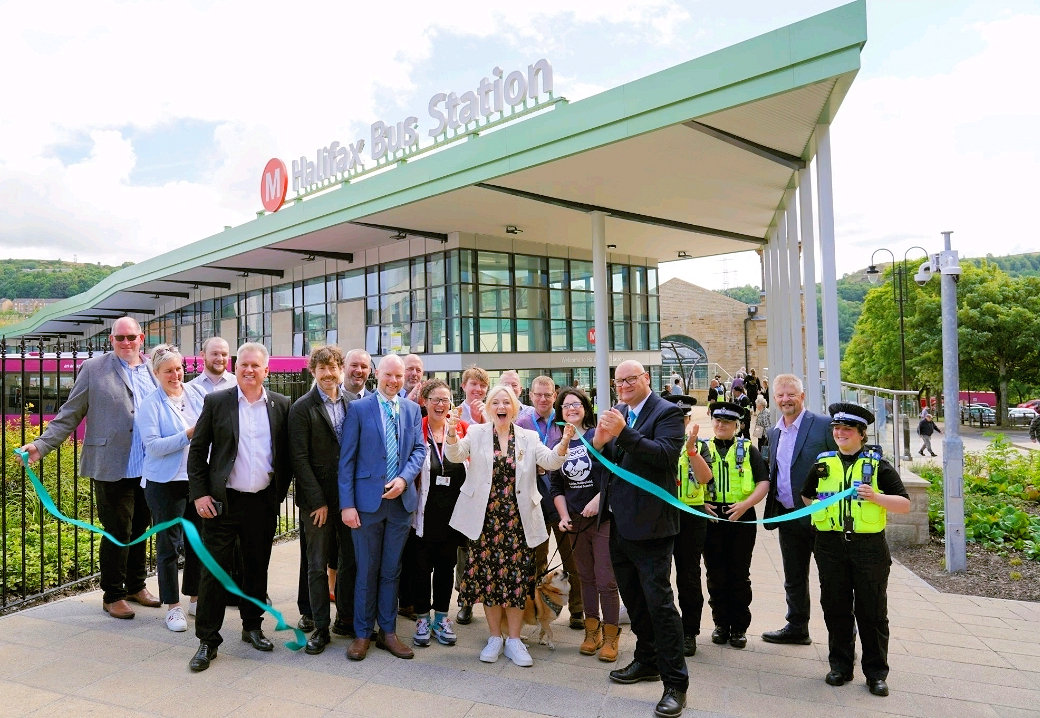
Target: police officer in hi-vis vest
741	480
694	473
851	551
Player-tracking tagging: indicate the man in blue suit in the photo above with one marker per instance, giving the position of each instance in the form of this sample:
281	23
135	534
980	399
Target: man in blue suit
794	443
381	453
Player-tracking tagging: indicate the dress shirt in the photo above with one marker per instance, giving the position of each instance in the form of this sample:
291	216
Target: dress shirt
336	409
638	407
142	383
254	463
203	384
784	458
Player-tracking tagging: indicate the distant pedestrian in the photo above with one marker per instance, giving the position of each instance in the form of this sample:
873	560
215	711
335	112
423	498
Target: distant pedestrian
925	429
1034	429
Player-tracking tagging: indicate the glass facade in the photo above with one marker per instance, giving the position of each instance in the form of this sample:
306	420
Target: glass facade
457	301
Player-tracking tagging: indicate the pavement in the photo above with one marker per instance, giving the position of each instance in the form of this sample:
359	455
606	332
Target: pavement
950	655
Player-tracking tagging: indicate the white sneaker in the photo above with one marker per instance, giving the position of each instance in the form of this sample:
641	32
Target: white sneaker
516	651
175	620
422	631
192	607
492	650
623	616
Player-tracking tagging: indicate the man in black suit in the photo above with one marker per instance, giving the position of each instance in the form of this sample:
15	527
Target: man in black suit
795	442
648	435
315	427
239	471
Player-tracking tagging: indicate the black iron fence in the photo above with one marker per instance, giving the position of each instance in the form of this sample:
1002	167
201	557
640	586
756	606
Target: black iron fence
39	555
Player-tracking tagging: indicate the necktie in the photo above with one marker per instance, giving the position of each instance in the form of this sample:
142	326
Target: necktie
632	416
391	442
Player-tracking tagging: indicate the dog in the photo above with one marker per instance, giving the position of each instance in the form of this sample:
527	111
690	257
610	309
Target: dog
549	597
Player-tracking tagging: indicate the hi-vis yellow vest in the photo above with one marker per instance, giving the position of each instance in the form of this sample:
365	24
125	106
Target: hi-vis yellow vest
733	478
848	515
690	491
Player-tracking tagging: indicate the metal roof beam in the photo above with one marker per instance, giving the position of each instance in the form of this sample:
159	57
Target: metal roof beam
312	253
246	271
629	216
781	158
199	283
159	293
439	236
149	312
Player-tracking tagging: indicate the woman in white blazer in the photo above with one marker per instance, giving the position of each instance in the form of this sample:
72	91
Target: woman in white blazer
166	421
499	510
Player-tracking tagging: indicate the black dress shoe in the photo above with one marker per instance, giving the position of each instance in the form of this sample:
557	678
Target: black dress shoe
720	635
317	642
306	623
877	686
788	634
200	661
671	704
464	616
837	678
738	640
258	640
689	645
635	672
342	628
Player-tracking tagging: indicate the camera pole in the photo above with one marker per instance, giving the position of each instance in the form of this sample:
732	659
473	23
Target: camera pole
953	447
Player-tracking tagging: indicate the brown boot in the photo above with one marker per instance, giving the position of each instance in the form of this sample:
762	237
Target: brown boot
593	637
610	639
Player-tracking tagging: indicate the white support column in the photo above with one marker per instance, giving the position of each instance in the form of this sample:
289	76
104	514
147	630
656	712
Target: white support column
600	299
813	396
828	268
798	359
775	306
783	303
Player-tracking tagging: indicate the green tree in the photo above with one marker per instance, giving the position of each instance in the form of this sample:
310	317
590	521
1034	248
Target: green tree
872	356
747	294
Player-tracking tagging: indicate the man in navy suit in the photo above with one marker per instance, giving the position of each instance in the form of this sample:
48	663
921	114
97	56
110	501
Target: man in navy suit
648	434
381	453
794	443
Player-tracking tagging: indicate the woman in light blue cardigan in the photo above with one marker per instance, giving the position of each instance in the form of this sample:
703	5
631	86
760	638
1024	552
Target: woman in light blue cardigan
166	421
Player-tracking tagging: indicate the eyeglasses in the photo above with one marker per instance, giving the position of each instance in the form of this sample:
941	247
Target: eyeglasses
571	405
438	401
542	396
629	380
125	337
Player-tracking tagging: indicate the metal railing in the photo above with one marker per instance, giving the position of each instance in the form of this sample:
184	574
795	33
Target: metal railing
893	411
40	556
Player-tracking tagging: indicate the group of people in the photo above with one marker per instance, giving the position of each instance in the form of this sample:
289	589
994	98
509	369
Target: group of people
405	496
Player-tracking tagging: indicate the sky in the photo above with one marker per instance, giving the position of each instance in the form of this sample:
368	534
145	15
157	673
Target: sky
130	128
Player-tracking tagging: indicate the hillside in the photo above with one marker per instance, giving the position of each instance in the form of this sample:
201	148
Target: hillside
49	279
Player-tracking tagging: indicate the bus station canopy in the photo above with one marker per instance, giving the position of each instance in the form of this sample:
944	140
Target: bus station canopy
691	161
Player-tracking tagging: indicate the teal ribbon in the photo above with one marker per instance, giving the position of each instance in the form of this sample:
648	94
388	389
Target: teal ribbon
191	534
664	495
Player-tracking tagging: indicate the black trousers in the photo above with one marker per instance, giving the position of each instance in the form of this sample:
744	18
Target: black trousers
689	547
854	592
250	520
434	572
797	539
644	576
124	514
329	545
728	546
408	588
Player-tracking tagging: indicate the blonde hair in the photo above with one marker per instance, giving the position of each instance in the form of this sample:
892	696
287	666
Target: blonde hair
163	353
508	391
791	379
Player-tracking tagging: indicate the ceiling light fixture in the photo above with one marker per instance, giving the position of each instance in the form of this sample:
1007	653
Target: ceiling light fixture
684	255
513	229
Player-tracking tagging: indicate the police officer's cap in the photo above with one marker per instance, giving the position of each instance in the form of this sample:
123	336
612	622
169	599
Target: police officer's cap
725	410
849	414
686	403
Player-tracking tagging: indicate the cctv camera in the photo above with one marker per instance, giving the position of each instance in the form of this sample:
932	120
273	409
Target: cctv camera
924	274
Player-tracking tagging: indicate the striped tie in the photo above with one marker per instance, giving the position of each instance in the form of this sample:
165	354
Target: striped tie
391	442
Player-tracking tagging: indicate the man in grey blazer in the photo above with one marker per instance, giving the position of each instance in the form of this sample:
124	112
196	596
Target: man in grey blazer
794	443
107	392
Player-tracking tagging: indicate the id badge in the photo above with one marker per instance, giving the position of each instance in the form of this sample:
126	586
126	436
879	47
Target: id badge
444	481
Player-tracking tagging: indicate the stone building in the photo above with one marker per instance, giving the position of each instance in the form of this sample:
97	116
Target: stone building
708	329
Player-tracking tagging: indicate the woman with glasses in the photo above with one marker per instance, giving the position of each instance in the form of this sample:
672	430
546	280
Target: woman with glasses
499	510
436	542
166	422
577	490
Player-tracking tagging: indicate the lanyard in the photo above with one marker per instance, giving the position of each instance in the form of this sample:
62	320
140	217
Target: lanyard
544	436
438	449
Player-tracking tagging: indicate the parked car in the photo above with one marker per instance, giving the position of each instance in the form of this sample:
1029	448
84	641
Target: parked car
981	414
1022	413
1031	404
